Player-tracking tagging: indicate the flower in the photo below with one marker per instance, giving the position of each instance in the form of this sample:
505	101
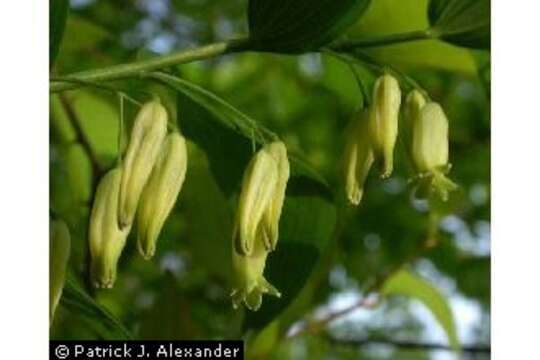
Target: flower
383	121
147	135
160	193
256	228
430	149
358	157
106	238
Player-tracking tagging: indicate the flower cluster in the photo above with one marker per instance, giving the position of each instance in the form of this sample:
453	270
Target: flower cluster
146	184
372	135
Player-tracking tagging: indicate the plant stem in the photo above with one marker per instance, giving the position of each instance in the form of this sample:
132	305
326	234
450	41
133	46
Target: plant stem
123	71
382	40
135	69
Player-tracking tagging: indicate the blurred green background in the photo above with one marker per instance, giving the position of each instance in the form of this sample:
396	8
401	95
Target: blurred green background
183	293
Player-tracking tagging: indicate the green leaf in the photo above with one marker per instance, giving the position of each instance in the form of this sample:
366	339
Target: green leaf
79	173
236	134
99	120
402	16
461	22
293	26
171	316
309	215
58	11
78	302
205	225
306	226
405	283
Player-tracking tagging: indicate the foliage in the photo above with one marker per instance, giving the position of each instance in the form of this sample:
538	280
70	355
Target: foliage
293	85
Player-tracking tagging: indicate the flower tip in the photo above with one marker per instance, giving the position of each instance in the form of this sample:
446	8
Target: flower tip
355	196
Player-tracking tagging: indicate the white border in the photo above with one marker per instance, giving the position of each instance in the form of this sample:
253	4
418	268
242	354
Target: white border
24	180
515	179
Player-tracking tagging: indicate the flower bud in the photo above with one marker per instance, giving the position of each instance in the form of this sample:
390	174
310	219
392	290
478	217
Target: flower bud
358	157
383	121
273	212
160	192
430	138
106	238
250	283
430	149
258	187
147	135
59	249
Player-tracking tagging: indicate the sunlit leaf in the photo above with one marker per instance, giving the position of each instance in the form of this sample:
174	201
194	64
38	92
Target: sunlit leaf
405	283
400	16
79	173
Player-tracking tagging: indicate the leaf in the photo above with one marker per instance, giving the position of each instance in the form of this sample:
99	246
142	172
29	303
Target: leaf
306	226
99	119
293	26
205	225
83	34
58	11
59	250
309	215
75	299
236	133
171	315
405	283
461	22
79	173
401	16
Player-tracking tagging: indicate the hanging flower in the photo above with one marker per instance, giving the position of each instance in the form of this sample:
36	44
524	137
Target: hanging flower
161	192
383	121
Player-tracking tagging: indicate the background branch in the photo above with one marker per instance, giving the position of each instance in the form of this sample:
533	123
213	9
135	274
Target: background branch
81	137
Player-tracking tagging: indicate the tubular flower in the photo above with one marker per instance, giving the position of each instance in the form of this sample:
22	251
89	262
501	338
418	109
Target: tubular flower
430	148
59	249
160	193
358	157
273	212
106	238
256	226
383	121
258	186
147	135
